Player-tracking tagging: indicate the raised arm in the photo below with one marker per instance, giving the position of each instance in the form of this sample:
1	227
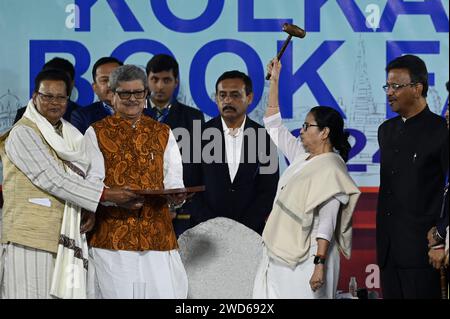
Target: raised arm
280	135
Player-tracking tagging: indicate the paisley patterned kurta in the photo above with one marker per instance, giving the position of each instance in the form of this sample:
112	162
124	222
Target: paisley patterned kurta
134	157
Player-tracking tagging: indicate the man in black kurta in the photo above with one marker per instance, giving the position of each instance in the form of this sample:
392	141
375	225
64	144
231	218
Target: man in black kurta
437	234
414	161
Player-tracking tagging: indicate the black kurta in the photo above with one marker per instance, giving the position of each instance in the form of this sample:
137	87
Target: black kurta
414	161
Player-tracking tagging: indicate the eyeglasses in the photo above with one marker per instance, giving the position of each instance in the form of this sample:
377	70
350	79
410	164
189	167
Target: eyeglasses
50	98
233	95
306	125
126	95
395	87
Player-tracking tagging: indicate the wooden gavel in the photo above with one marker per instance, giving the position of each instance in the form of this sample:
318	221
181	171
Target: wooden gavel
293	31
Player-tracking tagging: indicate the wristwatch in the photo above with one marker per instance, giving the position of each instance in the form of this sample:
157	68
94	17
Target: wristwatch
319	260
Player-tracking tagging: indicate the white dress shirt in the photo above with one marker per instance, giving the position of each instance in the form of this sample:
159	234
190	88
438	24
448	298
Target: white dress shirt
233	147
152	105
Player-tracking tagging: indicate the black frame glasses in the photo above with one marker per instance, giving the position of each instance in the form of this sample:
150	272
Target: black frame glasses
306	125
126	95
50	98
395	86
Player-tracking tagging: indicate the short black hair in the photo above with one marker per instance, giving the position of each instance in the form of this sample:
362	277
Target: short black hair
237	75
61	64
52	75
162	62
102	61
326	116
416	68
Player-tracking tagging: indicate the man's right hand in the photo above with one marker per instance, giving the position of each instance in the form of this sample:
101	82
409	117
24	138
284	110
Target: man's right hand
123	196
133	204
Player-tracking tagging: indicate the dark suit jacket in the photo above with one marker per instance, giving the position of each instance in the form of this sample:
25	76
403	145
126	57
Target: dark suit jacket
71	106
249	198
414	161
181	116
85	116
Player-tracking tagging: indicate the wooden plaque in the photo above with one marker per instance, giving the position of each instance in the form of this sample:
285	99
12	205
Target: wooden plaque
159	192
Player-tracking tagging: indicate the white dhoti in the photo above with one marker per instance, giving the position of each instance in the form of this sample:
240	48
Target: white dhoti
27	272
124	274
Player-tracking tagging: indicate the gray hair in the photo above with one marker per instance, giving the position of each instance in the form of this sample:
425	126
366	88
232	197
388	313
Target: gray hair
127	73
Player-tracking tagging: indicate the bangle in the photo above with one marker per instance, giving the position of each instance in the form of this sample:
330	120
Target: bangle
438	247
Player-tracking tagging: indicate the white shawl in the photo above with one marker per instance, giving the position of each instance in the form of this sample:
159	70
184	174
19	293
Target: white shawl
70	274
287	234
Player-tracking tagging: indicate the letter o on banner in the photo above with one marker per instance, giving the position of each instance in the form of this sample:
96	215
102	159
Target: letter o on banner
128	48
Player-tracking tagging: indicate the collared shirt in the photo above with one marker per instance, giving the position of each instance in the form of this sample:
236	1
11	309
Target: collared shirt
160	113
152	105
108	108
233	146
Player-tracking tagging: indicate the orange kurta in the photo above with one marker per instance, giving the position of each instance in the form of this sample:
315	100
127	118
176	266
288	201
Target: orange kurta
134	157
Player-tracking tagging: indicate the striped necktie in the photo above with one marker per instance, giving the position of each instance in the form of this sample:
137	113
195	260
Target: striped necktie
161	114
